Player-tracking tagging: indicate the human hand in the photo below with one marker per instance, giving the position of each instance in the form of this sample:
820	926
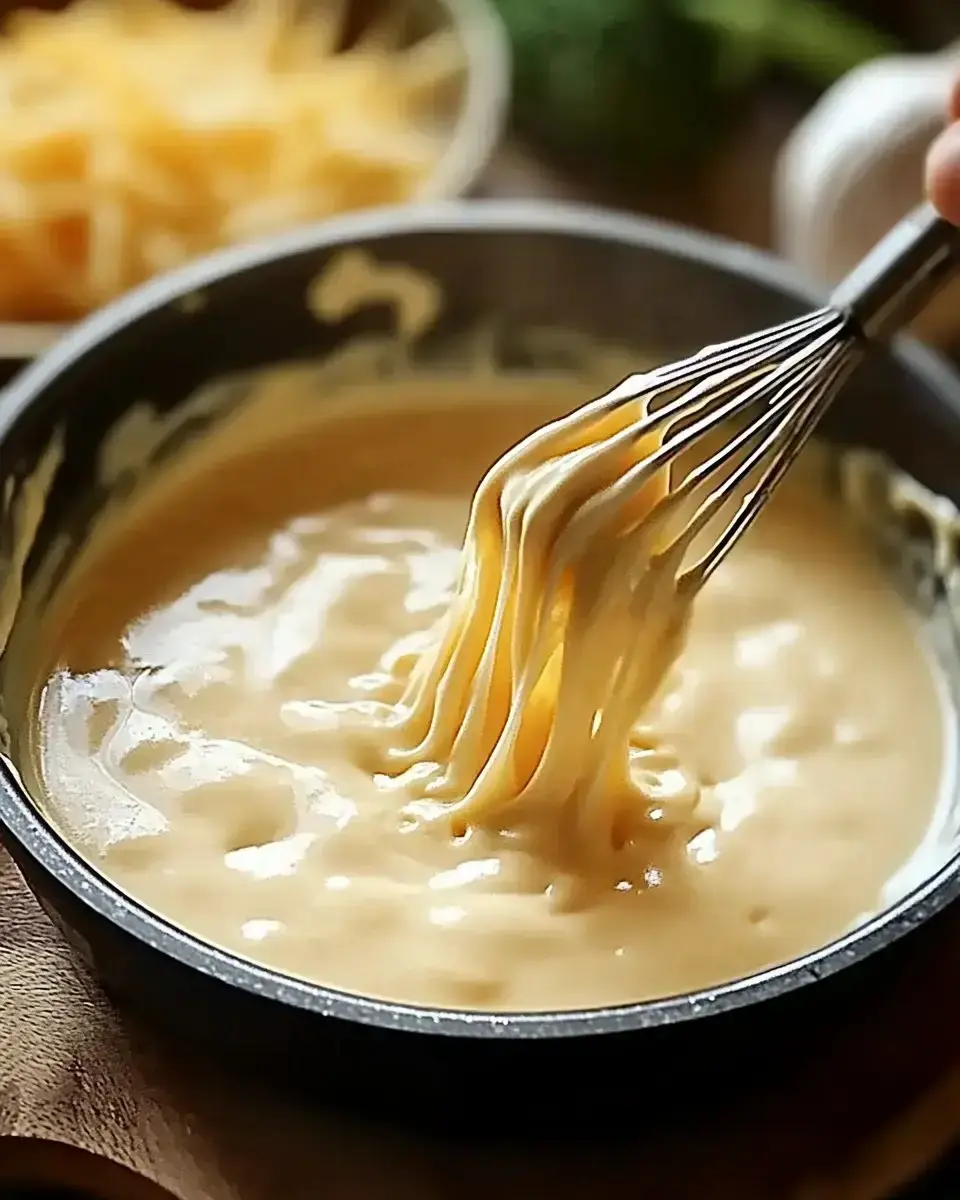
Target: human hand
943	165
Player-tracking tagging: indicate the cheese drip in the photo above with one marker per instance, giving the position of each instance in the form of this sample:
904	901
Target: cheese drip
566	619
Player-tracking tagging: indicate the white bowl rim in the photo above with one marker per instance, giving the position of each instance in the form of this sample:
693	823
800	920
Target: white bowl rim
482	119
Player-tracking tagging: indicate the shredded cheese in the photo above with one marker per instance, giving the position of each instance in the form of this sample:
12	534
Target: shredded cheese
135	134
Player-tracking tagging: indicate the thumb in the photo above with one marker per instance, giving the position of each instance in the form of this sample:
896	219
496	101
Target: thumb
943	173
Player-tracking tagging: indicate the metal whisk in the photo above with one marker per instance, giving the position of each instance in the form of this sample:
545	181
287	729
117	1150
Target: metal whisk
767	391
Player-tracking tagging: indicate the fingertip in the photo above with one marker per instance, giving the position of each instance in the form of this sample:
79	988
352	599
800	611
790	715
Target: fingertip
943	173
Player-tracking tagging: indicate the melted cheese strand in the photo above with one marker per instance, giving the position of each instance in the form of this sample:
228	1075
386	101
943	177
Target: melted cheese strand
566	619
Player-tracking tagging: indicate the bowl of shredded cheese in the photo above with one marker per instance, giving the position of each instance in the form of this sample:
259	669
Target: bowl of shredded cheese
137	135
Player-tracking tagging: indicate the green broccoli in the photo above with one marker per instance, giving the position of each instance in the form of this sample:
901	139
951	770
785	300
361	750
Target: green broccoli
645	86
612	80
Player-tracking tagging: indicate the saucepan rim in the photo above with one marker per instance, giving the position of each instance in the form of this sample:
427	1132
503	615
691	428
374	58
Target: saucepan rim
23	822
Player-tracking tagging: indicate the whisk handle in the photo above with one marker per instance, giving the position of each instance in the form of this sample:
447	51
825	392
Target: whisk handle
901	274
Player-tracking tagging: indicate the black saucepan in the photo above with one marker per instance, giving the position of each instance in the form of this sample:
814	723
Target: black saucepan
627	281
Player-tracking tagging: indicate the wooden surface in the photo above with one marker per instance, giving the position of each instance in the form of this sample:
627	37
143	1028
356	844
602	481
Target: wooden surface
88	1098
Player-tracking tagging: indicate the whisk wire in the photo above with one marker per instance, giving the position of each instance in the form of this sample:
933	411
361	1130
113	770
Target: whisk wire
720	398
791	385
770	389
791	433
708	364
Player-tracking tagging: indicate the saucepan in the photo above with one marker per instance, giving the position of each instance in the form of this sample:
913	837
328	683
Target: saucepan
533	265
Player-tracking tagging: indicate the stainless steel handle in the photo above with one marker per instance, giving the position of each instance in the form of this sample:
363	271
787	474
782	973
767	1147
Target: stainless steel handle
901	274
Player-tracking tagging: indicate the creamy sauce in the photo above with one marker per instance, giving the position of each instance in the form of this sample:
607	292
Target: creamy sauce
225	730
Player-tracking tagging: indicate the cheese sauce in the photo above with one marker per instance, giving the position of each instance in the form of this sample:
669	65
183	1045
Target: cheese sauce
266	713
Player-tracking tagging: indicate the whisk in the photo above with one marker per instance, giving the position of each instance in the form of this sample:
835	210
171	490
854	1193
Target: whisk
769	390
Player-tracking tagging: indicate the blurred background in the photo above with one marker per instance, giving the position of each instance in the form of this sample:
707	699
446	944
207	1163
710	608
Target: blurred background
136	135
755	119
